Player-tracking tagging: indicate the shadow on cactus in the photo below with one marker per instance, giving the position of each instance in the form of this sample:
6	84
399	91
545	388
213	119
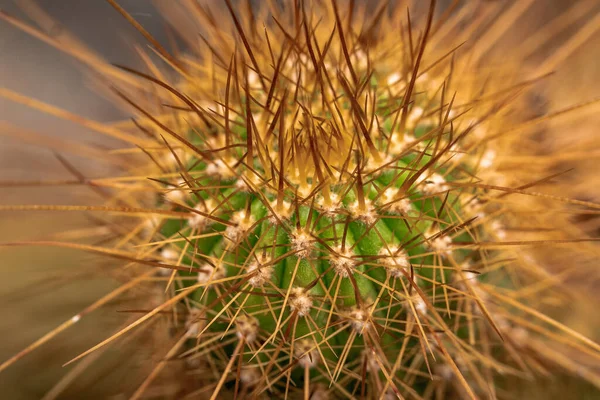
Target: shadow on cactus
322	195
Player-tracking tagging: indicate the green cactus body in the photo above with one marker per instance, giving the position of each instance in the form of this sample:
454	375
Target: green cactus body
313	274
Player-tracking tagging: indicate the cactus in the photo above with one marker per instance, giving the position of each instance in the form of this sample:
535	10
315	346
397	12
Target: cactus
326	206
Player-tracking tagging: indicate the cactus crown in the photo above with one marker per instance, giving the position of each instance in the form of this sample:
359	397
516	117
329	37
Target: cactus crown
332	215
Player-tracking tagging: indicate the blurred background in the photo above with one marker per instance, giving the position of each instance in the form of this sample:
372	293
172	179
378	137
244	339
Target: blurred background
40	287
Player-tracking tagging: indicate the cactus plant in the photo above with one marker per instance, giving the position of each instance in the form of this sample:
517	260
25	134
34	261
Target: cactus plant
327	210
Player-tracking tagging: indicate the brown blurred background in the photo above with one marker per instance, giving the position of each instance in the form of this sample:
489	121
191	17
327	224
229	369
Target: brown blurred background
40	288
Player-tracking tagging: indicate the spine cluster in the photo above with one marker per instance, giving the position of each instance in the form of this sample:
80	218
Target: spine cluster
333	216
